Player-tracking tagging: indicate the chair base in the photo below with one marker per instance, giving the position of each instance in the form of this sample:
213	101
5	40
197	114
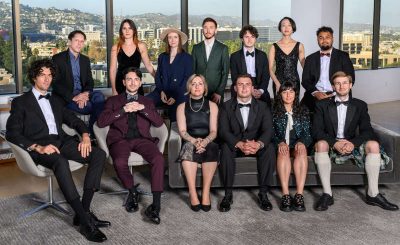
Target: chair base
44	205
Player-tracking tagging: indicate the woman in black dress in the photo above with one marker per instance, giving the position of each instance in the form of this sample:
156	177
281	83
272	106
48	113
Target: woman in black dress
128	52
284	55
197	124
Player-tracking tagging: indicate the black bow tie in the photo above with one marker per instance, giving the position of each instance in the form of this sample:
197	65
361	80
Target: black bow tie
47	96
131	97
338	103
250	53
244	105
325	54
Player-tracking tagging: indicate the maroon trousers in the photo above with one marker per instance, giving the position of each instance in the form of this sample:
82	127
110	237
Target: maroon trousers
120	152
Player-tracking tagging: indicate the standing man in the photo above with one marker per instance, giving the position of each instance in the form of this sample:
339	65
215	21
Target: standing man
211	59
320	66
74	82
35	124
250	60
130	116
245	129
336	123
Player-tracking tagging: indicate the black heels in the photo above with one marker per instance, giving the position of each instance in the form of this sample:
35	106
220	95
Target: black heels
206	208
195	208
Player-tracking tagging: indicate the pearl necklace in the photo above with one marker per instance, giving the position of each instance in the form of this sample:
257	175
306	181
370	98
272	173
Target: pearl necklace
190	104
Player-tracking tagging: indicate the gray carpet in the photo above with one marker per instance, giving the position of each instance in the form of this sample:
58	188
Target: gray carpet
348	221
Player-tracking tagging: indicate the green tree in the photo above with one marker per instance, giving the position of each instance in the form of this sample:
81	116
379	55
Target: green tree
233	45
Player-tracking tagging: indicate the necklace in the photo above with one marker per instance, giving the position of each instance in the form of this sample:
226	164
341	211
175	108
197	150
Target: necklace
190	104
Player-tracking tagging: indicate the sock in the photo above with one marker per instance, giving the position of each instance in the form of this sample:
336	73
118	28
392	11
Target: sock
372	167
87	199
78	209
157	200
324	167
228	192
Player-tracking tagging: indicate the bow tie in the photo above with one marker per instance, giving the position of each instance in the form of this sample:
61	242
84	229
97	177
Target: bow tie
325	54
131	97
244	105
250	53
338	103
47	96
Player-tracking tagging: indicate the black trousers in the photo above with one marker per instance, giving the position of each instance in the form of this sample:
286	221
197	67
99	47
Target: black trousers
266	162
60	166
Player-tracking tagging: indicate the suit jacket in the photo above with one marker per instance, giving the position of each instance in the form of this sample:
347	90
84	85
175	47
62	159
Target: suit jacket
357	118
238	67
216	69
27	126
115	117
231	127
63	84
340	61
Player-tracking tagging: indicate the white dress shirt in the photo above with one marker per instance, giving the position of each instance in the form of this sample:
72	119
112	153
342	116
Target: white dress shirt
47	112
244	111
341	111
324	84
250	62
209	44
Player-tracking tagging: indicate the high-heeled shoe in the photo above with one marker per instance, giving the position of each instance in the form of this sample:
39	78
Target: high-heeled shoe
196	207
206	208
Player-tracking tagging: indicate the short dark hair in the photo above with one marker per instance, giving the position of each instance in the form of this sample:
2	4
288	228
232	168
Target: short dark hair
292	23
37	67
244	76
73	33
324	29
209	19
132	69
248	28
341	74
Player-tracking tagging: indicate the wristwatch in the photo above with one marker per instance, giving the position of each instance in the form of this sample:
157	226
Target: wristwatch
261	144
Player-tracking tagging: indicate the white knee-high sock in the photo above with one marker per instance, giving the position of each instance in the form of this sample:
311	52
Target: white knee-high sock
324	170
372	167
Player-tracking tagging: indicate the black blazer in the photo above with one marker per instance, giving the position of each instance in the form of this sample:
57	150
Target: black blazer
63	84
357	117
231	127
238	67
27	126
340	61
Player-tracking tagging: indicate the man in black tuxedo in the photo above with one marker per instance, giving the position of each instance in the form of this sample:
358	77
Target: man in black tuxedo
320	66
35	124
336	123
245	129
250	60
73	81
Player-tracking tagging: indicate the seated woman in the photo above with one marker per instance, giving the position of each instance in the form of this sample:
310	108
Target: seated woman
197	124
292	136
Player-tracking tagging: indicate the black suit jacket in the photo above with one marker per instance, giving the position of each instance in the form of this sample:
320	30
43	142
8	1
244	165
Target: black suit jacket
238	67
231	127
27	126
63	84
357	128
340	61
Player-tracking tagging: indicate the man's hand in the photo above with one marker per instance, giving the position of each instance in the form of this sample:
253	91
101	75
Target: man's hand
164	97
216	98
81	99
48	149
252	146
133	106
256	93
343	146
283	148
321	95
85	146
171	101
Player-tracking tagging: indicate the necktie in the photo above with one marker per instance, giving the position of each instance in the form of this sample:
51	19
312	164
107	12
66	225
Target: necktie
47	96
250	53
325	54
338	103
132	97
289	126
244	105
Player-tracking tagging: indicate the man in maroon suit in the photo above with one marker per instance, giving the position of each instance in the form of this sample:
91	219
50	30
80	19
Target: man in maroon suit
130	116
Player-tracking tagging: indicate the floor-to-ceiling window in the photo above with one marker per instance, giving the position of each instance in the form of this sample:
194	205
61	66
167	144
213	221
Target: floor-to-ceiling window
7	81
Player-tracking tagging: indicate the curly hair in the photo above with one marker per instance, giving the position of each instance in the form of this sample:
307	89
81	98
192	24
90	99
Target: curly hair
279	108
36	68
248	28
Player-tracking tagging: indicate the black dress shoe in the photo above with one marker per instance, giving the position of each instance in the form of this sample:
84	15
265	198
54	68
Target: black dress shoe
263	201
153	214
225	204
286	203
98	223
132	201
381	201
298	203
92	233
324	201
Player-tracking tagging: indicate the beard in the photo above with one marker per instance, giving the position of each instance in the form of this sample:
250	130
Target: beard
325	48
208	36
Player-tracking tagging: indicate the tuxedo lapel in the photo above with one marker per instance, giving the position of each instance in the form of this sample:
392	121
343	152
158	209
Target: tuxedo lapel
332	62
238	116
56	112
69	68
258	64
333	115
35	106
317	66
351	110
203	52
243	62
252	113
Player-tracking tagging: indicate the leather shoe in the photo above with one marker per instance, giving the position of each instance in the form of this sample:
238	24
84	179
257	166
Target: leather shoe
381	201
196	207
206	208
286	203
225	204
132	201
153	214
96	221
324	201
298	203
92	233
263	201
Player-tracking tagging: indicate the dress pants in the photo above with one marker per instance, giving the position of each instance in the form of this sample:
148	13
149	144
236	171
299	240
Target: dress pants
60	166
266	161
120	152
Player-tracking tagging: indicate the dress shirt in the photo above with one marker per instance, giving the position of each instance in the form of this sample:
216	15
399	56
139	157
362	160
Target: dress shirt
209	44
324	84
47	112
250	62
76	73
289	126
244	111
341	111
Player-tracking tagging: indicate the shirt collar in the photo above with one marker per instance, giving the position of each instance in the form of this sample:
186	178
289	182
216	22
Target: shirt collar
209	42
240	102
246	49
337	99
330	52
72	56
36	93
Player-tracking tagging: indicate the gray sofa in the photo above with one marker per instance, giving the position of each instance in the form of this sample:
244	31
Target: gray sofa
246	169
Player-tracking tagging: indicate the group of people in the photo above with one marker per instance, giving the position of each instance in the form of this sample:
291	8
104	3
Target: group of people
214	132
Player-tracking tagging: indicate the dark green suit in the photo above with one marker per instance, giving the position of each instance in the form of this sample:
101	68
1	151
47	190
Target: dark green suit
215	70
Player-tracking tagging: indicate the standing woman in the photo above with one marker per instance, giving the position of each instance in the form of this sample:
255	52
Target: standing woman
175	66
128	52
197	124
292	136
285	54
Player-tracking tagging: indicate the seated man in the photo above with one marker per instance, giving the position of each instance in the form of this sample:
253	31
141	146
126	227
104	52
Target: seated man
245	128
336	121
129	116
74	82
35	124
